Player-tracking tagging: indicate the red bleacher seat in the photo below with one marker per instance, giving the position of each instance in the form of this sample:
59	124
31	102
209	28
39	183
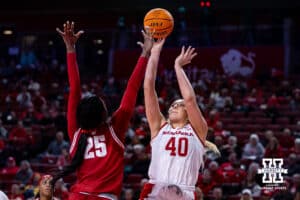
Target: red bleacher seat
283	120
43	168
274	127
234	197
237	115
254	127
262	120
228	120
7	177
244	120
234	127
242	137
255	114
293	127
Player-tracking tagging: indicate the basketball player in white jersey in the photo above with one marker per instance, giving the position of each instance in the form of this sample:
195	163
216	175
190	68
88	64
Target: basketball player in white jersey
177	142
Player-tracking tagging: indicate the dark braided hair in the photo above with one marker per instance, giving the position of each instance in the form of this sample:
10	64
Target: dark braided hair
90	113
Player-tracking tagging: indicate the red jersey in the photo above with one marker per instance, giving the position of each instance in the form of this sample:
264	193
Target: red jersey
102	168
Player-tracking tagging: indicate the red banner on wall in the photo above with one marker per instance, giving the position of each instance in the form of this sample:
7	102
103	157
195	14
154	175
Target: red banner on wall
242	61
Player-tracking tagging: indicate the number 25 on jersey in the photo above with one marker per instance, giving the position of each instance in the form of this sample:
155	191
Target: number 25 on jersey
96	147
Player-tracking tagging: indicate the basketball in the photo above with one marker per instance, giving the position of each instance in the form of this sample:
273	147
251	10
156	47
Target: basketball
160	21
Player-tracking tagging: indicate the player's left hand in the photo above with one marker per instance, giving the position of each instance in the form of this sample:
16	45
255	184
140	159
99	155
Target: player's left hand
185	56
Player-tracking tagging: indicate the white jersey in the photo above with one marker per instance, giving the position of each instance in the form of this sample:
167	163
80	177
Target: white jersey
177	156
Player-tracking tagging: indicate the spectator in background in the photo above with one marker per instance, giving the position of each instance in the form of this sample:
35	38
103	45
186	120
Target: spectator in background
60	190
9	117
217	194
64	158
246	194
231	147
293	164
218	141
56	146
24	173
29	116
16	193
32	188
2	147
220	131
252	101
128	194
143	130
28	58
253	150
11	169
24	98
273	149
213	118
205	182
85	92
295	184
216	172
141	162
296	148
34	86
110	88
198	194
3	131
232	170
218	99
250	182
38	100
18	136
267	137
272	106
286	139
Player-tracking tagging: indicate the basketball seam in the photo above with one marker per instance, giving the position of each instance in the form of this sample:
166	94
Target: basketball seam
158	18
161	29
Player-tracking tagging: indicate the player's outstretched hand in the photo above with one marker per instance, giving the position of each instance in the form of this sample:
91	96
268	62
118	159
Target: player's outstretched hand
68	35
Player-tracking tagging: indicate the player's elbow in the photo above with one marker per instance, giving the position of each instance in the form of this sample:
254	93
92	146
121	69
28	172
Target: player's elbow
148	85
190	99
204	126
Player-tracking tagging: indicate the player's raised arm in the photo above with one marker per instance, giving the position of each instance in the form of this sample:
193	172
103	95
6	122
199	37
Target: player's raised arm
154	116
194	114
70	39
125	111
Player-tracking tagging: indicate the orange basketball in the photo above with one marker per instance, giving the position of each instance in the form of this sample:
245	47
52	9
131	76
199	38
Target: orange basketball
161	21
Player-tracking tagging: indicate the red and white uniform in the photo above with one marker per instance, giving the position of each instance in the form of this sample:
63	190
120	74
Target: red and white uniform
177	156
100	175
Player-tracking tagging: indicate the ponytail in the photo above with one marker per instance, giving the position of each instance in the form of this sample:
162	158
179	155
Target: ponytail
212	147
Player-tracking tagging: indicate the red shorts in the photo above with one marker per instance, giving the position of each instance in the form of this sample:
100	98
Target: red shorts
147	189
78	196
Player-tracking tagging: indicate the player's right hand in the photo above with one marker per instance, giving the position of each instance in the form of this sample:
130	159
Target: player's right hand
68	35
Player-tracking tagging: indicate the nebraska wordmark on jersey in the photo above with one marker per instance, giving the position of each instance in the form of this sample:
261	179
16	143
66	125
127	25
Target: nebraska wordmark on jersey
177	156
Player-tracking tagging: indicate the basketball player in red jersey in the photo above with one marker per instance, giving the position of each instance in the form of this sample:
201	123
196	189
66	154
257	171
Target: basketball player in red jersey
97	143
177	142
